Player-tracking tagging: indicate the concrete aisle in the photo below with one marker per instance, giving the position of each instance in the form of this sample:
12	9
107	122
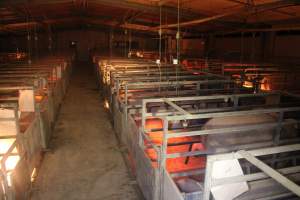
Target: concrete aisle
86	163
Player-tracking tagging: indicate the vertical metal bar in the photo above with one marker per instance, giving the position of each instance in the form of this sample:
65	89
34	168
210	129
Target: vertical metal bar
144	111
143	131
178	31
29	42
279	128
208	179
198	88
285	84
126	101
118	87
242	47
4	188
277	136
235	102
129	43
125	43
163	155
160	31
111	38
19	137
223	71
36	43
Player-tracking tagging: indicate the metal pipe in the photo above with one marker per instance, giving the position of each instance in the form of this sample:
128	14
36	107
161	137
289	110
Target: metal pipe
271	172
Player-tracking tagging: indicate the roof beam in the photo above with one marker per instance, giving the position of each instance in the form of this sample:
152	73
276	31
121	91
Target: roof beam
198	21
254	9
116	3
5	3
114	23
24	13
247	4
163	2
6	29
146	8
90	20
273	29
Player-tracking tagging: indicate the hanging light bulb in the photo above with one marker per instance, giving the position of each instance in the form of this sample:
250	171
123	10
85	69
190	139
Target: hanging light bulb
175	61
184	123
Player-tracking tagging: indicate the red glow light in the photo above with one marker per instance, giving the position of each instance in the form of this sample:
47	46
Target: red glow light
175	164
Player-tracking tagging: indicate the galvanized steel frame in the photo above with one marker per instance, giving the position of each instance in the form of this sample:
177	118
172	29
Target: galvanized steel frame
183	115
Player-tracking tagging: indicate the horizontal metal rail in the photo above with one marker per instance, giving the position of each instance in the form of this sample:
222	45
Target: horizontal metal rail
231	114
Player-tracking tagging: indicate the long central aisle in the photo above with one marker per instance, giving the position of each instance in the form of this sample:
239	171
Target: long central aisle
85	163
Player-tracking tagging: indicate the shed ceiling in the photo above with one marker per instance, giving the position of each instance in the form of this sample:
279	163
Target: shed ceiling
18	16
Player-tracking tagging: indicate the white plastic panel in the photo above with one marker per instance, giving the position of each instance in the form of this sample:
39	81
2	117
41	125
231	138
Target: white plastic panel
59	72
26	101
224	169
7	128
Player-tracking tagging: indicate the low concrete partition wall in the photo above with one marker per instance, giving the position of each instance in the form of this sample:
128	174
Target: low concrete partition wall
57	95
30	98
170	189
20	181
45	110
20	139
117	119
142	167
132	137
15	183
33	142
147	175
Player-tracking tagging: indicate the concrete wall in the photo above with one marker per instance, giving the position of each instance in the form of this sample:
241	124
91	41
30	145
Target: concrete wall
86	40
265	47
232	47
189	47
287	46
192	47
99	41
262	47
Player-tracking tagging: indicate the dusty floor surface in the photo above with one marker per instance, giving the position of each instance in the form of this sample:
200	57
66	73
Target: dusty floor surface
86	163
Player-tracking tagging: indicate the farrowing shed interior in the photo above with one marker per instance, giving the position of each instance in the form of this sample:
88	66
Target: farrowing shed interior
149	99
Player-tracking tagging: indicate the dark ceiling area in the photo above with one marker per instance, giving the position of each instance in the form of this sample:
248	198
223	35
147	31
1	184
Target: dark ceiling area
195	17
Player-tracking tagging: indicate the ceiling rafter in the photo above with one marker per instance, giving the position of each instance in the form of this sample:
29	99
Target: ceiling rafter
142	16
86	20
249	4
116	3
255	9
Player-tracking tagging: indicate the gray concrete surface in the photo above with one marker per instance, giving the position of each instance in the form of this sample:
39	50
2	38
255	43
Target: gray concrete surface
85	162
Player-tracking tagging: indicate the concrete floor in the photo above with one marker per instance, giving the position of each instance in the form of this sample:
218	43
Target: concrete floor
86	163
